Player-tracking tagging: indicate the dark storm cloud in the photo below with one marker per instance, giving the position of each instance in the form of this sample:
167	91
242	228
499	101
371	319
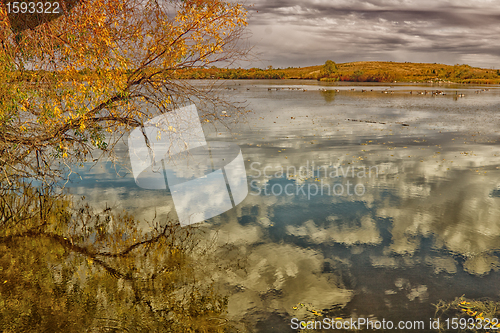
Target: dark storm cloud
300	33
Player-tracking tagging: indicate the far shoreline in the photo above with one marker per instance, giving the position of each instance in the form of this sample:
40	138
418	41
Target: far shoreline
373	71
330	72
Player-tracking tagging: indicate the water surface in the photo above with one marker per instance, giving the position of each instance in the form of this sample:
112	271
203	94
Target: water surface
417	219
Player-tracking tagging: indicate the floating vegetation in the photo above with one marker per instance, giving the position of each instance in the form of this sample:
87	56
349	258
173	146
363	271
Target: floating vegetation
480	315
377	122
308	308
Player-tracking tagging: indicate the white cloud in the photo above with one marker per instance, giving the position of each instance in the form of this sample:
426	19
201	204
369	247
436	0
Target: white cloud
300	33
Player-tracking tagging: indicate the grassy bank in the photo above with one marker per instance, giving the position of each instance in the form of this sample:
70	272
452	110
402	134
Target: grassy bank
363	71
373	71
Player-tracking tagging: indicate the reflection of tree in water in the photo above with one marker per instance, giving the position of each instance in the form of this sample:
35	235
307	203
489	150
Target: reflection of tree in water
328	95
65	268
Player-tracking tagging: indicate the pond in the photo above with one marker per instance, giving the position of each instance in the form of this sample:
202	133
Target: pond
364	200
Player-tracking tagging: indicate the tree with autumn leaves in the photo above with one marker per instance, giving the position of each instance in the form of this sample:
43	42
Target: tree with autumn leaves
79	80
76	81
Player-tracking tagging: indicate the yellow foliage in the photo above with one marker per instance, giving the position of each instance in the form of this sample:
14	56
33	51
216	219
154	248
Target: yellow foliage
105	64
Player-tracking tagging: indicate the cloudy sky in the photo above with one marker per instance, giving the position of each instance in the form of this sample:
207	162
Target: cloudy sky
308	32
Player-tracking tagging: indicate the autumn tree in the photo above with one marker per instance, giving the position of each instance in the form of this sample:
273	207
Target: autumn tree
328	68
72	82
80	80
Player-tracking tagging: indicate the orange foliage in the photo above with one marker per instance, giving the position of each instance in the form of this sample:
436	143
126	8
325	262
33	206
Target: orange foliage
104	65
